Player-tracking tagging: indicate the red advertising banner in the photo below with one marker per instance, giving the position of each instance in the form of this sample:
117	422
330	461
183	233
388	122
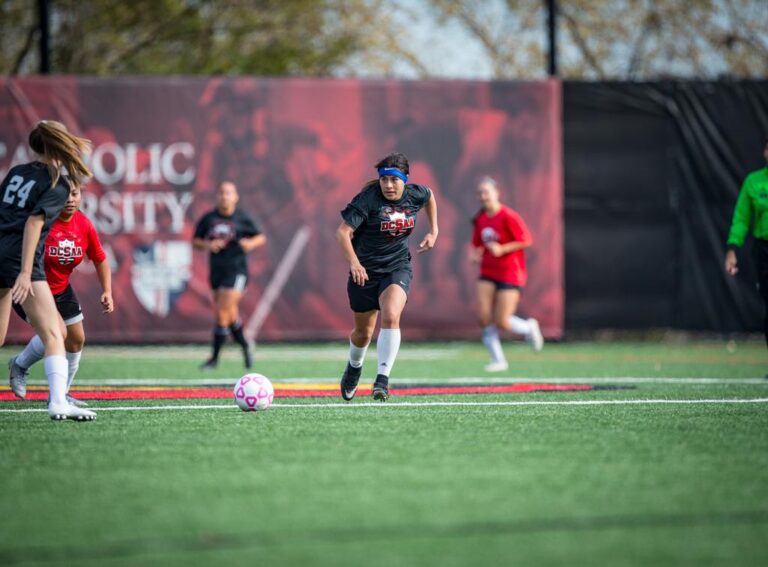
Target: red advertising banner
299	150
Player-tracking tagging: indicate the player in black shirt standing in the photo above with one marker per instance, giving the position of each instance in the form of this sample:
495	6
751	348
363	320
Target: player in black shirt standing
374	239
228	234
31	198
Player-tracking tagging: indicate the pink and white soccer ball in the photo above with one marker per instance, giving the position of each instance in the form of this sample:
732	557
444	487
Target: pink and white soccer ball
254	392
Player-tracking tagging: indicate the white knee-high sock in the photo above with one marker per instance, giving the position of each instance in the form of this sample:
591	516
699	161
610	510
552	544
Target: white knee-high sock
33	352
73	359
387	346
493	343
519	326
56	372
356	354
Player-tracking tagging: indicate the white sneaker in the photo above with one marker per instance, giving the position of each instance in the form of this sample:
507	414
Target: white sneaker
75	402
68	411
500	366
17	377
536	339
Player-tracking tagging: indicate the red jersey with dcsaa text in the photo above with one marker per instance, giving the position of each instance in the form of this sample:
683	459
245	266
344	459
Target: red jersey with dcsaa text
66	246
503	227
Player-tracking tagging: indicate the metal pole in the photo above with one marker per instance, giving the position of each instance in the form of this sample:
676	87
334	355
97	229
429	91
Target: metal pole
552	36
45	36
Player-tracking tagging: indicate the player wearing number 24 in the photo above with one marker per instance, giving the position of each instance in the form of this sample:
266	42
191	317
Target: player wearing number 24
31	198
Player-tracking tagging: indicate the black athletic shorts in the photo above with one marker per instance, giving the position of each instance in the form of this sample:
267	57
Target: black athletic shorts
365	297
66	303
228	279
501	286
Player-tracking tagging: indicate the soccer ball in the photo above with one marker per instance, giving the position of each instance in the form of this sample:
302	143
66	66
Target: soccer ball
254	392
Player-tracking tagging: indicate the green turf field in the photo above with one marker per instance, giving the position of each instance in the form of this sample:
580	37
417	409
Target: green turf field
673	471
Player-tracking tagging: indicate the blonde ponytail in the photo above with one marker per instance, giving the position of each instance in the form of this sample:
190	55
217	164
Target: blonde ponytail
53	142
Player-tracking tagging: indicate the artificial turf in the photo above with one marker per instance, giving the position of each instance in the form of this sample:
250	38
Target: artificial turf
307	483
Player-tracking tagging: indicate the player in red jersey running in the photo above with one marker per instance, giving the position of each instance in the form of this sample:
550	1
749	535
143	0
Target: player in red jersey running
72	237
499	240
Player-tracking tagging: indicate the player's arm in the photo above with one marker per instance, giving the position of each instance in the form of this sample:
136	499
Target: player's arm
742	216
23	285
104	273
344	238
429	240
521	236
214	245
249	243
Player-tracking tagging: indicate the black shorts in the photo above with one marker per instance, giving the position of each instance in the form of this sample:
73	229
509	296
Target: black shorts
9	274
365	297
501	286
66	304
228	279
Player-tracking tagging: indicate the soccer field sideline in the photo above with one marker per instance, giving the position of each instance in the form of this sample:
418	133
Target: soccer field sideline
356	405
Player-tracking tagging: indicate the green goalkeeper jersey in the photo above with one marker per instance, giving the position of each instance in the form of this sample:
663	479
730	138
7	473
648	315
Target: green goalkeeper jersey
751	204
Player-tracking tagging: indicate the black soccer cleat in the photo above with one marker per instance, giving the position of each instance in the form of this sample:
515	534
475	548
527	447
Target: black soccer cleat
349	381
381	388
209	364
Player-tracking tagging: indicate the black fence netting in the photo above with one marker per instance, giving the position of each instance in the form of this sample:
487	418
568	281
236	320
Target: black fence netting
652	172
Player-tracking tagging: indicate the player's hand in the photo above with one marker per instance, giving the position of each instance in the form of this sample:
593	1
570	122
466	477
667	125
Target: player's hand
359	275
107	305
217	245
495	249
427	244
22	288
731	262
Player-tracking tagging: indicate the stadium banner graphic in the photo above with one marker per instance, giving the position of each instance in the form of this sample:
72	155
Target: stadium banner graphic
299	150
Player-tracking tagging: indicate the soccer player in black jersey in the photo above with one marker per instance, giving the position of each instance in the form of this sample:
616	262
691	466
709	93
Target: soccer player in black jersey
374	239
228	234
31	198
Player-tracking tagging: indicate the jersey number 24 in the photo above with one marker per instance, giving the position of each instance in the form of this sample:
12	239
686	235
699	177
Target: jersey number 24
18	192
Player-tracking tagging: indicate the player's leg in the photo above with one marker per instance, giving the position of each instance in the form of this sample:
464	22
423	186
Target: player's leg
17	376
236	325
392	302
509	299
74	344
5	312
363	300
486	294
222	321
42	313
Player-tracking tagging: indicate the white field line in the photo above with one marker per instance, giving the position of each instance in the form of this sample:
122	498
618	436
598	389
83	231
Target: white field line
276	284
423	404
479	380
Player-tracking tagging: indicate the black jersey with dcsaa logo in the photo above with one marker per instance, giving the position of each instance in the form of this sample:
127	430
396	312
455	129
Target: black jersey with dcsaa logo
382	227
26	191
231	228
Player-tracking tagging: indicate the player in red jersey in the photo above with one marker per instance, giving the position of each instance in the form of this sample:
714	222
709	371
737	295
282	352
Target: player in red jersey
499	240
72	237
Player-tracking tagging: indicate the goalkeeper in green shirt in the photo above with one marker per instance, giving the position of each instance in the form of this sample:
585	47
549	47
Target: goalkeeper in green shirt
752	208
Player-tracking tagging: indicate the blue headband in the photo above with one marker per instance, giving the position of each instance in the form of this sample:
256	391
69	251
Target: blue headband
394	172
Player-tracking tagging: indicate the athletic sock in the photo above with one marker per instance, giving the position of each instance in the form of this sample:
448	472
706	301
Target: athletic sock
493	343
33	352
519	326
73	359
219	338
237	333
356	354
56	372
387	346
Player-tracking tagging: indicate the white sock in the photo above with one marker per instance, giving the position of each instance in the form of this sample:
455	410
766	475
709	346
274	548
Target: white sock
73	358
56	372
356	354
34	351
519	326
493	344
387	346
